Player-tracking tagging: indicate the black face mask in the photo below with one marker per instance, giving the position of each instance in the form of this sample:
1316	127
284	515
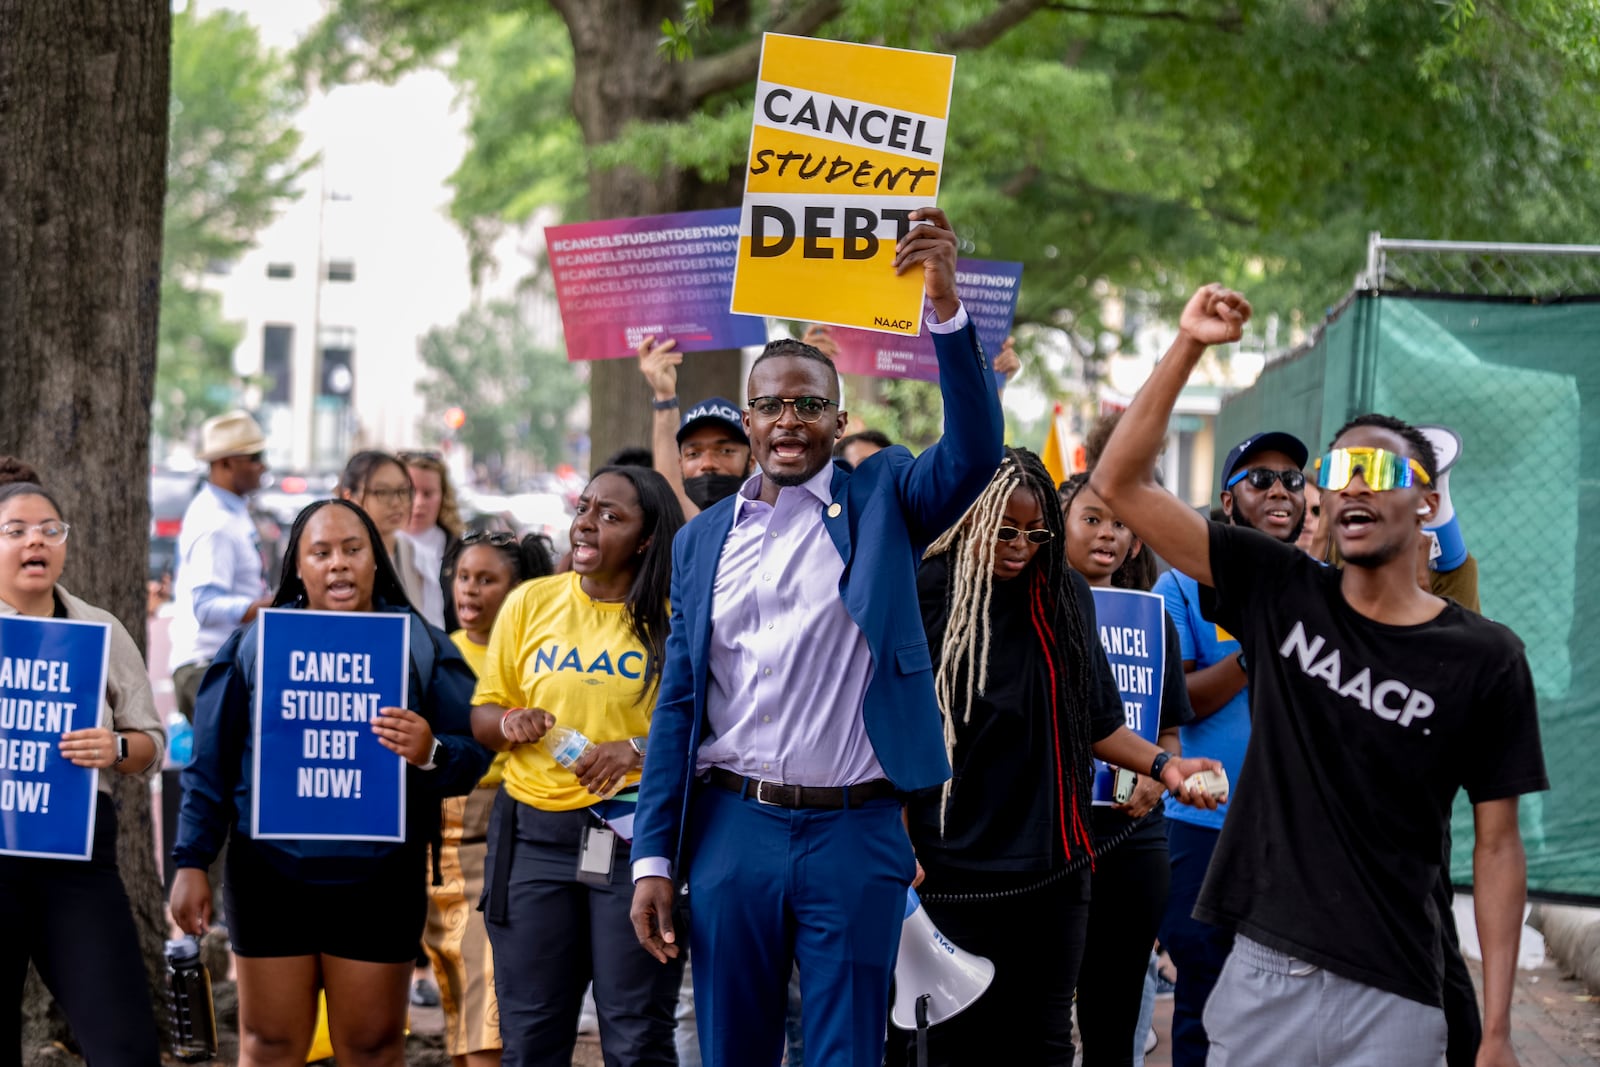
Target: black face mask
707	489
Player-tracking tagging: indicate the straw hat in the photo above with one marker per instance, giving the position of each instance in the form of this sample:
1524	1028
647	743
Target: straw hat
232	434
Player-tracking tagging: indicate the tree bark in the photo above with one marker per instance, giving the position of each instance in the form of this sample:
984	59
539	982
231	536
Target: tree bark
83	141
619	77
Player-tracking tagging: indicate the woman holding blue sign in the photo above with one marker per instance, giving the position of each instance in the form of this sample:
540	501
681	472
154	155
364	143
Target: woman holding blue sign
583	650
1128	892
325	906
1028	699
70	914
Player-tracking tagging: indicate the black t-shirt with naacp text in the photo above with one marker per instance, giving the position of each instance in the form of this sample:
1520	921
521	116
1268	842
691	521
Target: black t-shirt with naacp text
1361	736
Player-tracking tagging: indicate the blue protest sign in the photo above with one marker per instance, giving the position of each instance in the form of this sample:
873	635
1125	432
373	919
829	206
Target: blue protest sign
52	681
320	772
1133	632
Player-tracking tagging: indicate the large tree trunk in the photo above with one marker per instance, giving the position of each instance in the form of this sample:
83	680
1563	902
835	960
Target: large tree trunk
619	77
83	136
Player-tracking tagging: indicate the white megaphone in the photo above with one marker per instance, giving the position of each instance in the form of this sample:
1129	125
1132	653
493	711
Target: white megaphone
953	978
1450	548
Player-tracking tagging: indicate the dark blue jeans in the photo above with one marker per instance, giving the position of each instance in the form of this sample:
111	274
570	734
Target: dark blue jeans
1198	949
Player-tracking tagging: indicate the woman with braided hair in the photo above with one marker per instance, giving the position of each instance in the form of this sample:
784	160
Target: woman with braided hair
1028	698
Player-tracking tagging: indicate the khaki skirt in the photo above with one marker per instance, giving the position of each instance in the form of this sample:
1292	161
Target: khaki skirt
455	938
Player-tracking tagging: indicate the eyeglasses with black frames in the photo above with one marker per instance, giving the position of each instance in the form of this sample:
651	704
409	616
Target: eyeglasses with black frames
806	408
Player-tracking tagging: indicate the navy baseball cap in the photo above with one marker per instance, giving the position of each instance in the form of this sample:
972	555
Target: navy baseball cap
716	411
1269	441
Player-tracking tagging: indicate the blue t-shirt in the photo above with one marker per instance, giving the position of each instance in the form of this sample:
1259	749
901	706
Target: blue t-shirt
1224	734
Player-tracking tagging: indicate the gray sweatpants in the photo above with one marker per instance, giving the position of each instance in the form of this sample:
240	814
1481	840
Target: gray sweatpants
1269	1009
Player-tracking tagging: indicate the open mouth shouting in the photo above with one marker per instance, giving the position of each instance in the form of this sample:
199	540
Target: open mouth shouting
584	553
1357	520
341	592
789	449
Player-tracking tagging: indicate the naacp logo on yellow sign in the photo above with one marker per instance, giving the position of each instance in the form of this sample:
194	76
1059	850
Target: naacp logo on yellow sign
848	140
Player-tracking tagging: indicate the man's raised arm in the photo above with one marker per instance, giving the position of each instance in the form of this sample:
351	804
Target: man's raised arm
952	472
1125	475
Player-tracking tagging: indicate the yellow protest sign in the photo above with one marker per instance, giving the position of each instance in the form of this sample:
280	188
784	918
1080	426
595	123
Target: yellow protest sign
848	140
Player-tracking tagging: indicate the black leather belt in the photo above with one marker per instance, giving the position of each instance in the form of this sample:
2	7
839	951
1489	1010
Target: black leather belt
782	795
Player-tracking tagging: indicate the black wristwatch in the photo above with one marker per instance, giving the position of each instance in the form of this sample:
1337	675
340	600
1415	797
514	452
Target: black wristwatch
1159	765
638	744
122	749
1240	660
665	405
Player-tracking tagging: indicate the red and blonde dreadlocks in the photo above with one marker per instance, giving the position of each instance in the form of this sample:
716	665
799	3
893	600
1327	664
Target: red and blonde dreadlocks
1058	622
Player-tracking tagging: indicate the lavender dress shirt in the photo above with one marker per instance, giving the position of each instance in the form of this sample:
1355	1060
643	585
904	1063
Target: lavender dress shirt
789	666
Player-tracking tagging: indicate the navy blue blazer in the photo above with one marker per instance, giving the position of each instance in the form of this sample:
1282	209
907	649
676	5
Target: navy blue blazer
892	507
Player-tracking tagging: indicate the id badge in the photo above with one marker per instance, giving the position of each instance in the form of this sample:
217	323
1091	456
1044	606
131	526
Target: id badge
596	855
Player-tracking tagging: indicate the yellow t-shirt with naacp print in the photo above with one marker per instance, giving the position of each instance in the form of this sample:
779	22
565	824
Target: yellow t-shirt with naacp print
475	654
555	649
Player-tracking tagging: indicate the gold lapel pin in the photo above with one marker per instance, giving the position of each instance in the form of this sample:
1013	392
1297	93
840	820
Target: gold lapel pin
833	511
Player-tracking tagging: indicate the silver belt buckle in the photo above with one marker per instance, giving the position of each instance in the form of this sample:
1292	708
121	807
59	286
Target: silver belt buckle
761	786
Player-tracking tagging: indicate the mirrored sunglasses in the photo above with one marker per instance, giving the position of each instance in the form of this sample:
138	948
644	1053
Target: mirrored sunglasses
1379	468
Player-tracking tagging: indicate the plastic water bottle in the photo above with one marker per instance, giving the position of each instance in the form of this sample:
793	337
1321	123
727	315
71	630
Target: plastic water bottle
193	1017
180	740
565	745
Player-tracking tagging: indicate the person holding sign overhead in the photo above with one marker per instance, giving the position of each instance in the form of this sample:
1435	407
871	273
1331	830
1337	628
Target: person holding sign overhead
1128	889
328	909
1027	698
775	737
71	918
581	650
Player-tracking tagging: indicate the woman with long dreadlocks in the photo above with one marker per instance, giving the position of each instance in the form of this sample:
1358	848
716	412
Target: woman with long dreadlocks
1028	698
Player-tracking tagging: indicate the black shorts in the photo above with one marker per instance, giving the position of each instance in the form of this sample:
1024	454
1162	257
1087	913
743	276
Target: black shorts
377	919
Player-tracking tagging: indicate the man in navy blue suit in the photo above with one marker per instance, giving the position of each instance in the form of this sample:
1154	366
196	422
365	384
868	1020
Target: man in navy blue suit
796	704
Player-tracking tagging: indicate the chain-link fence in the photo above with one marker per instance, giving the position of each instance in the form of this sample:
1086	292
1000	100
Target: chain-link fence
1502	344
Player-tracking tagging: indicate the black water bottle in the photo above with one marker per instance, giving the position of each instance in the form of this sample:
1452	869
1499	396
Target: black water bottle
193	1018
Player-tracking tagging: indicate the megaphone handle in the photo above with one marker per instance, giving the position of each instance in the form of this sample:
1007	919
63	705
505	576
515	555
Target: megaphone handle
922	1029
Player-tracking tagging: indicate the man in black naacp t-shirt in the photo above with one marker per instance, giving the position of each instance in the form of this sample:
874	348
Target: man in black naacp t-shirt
1372	703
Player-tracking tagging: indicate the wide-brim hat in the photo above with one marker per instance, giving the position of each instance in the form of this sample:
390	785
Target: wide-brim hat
234	433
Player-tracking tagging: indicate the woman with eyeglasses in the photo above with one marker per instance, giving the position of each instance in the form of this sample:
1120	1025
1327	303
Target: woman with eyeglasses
432	529
581	650
1128	888
340	916
1028	699
379	484
71	918
479	570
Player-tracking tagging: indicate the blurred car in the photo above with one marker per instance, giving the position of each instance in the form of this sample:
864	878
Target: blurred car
284	494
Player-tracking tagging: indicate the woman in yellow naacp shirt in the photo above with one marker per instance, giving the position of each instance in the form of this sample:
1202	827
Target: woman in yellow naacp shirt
582	650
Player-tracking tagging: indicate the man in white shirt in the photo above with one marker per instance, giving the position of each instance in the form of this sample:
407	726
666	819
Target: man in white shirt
220	582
